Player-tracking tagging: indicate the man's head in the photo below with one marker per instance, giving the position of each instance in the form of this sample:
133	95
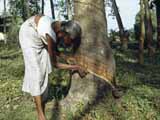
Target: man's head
68	34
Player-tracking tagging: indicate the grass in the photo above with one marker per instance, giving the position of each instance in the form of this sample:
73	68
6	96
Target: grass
141	83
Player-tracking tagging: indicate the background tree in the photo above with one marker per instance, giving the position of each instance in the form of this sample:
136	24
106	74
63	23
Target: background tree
24	8
142	33
4	14
124	35
149	28
20	10
34	7
69	9
157	5
52	9
42	6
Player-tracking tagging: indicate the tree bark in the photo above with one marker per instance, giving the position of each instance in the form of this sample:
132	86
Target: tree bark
158	27
149	29
43	7
69	9
4	20
25	10
142	34
124	36
37	6
157	3
52	9
83	93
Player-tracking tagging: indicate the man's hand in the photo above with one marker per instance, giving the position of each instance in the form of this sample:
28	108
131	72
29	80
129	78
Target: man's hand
82	73
75	67
67	66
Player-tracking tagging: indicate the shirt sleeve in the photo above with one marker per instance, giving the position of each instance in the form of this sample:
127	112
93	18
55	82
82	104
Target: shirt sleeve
44	27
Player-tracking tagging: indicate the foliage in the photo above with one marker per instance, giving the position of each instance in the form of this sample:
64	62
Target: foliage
13	32
61	7
24	8
34	7
109	4
19	12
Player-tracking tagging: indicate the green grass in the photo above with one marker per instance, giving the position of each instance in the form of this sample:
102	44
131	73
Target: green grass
141	87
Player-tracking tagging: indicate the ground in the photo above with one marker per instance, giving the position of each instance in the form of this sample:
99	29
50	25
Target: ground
140	85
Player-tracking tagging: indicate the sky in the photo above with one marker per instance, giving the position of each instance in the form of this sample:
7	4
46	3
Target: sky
128	10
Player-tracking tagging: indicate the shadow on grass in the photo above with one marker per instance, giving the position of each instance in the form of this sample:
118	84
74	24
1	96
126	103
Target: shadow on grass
147	74
58	92
11	56
56	111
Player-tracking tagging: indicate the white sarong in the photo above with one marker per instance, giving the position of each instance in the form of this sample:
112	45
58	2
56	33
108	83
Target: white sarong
36	59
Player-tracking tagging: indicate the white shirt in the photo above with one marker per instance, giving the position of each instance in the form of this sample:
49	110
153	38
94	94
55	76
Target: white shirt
44	27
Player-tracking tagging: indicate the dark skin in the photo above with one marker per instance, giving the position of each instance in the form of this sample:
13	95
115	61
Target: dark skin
53	55
40	105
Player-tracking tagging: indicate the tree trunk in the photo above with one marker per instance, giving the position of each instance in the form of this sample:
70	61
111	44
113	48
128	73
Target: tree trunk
52	9
158	26
37	6
83	93
25	14
157	3
69	9
124	36
149	29
43	7
142	34
4	22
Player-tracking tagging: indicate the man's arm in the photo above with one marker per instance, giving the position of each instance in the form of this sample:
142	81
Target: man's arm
52	55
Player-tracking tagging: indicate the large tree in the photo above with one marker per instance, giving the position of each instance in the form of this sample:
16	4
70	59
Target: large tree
96	55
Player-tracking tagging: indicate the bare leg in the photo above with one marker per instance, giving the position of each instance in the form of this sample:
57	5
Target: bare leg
43	107
44	97
39	107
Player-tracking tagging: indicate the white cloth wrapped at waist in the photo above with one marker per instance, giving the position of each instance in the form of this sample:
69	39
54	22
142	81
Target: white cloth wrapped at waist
36	58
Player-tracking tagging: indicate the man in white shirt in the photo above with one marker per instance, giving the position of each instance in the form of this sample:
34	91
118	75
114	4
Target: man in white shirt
39	37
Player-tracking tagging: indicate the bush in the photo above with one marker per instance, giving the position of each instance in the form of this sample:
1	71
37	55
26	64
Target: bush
13	32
